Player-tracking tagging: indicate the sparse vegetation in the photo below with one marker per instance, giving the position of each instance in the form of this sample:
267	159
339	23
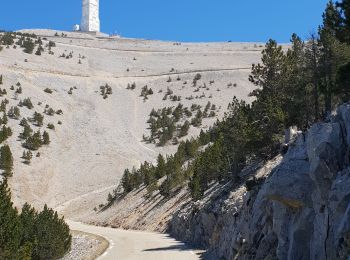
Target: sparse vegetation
5	133
26	103
27	156
288	84
46	138
14	113
145	92
196	79
49	111
48	90
51	126
131	86
105	91
36	140
164	124
27	131
38	119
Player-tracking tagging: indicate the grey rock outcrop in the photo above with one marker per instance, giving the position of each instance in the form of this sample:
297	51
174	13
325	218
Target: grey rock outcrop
301	210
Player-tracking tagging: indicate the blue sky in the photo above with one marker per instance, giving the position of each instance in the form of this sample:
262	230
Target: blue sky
178	20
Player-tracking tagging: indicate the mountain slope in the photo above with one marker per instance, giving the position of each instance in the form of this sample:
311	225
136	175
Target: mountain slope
99	137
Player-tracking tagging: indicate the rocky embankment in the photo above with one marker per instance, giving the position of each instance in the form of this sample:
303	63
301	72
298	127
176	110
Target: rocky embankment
297	206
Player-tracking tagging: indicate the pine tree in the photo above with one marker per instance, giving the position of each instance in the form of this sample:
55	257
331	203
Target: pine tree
28	216
312	54
52	235
332	20
27	131
5	133
33	142
147	170
4	119
184	129
126	181
269	112
3	106
23	122
38	118
46	138
19	90
7	39
14	112
296	82
27	156
110	198
333	55
1	80
161	167
38	51
28	45
195	187
30	235
10	226
27	103
6	160
343	81
344	6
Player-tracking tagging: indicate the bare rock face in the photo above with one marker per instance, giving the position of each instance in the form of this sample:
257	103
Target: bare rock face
301	211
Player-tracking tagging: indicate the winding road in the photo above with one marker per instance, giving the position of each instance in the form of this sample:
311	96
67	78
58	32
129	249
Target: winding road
137	245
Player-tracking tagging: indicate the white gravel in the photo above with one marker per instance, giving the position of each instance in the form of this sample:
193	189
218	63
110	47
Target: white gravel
84	247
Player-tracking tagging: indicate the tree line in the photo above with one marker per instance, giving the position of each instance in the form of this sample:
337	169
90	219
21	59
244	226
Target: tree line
30	234
294	87
25	41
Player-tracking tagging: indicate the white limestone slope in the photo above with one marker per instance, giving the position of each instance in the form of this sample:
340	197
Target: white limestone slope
99	138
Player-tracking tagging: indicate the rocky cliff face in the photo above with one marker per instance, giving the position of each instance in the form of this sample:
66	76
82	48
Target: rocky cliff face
300	208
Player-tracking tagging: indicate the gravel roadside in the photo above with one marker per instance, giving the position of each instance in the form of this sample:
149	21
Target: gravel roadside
86	246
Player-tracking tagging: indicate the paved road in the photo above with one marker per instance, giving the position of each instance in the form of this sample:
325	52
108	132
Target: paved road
136	245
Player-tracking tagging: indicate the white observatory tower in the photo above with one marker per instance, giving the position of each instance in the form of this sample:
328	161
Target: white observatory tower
90	21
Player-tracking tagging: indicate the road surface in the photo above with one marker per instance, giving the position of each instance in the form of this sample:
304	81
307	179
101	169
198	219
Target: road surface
137	245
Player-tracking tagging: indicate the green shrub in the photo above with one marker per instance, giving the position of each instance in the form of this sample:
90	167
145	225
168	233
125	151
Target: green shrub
5	133
28	45
27	131
27	156
51	126
7	39
33	142
14	112
26	102
46	138
48	90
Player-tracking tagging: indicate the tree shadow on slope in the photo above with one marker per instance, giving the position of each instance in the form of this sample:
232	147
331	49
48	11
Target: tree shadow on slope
179	247
213	204
118	197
